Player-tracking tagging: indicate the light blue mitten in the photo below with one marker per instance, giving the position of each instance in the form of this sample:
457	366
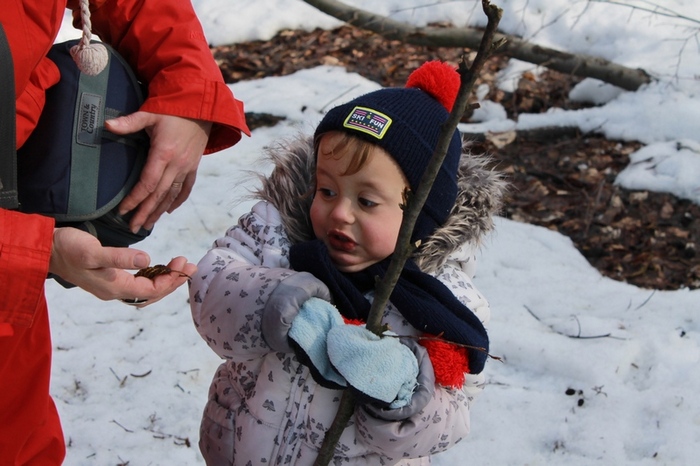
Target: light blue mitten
308	335
381	368
423	393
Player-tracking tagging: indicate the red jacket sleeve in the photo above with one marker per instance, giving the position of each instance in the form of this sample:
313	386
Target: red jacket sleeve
165	43
25	251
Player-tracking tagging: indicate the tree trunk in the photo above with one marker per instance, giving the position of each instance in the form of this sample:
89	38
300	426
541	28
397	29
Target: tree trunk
514	47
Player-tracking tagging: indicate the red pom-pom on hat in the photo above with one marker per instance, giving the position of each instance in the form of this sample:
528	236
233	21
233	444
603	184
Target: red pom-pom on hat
438	79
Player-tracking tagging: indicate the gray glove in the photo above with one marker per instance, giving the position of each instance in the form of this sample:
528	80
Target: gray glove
283	306
423	393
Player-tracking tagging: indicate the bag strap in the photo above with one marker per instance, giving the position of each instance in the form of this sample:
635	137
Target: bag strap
8	135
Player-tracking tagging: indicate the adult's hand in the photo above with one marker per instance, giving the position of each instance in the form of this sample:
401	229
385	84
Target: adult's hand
177	145
79	258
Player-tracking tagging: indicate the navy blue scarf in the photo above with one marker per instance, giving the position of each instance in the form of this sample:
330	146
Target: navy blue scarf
422	299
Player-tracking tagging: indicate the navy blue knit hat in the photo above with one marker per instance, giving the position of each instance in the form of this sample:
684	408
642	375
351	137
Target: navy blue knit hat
406	122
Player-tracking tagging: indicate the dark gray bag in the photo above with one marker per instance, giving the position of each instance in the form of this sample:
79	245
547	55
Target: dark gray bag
71	168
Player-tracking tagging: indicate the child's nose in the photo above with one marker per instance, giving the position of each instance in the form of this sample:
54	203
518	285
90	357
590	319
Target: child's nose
343	211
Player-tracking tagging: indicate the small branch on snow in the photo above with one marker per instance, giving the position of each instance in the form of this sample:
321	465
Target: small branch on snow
127	430
645	301
578	336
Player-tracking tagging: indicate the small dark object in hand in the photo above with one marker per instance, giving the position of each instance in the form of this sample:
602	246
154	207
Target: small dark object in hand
153	271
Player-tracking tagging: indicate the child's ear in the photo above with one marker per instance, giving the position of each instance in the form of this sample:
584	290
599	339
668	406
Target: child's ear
405	197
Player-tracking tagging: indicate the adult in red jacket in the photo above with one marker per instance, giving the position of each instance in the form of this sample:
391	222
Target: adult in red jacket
189	111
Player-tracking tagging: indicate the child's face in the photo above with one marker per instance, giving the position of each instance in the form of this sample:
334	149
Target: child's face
357	216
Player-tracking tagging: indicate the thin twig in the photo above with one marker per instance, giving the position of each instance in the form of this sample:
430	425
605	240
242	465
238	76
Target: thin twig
439	338
128	430
576	337
122	380
657	10
646	300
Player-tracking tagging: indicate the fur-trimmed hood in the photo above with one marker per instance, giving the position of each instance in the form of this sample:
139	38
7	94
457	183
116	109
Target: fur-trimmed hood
290	188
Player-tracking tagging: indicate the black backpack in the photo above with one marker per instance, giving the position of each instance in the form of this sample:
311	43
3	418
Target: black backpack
71	168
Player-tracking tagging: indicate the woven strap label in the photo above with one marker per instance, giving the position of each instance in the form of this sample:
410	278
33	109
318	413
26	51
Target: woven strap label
89	119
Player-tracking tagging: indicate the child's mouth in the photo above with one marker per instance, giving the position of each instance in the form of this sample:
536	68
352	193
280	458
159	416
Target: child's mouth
341	242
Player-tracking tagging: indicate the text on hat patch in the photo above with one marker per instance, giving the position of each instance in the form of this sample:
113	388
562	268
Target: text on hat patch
368	121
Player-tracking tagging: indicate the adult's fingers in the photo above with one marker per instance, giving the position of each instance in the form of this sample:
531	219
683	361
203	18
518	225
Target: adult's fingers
176	149
184	192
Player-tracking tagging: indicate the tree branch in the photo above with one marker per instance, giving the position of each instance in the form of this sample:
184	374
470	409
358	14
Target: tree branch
404	248
653	8
574	64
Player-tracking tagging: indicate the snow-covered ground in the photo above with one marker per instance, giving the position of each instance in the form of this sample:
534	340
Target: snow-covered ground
130	384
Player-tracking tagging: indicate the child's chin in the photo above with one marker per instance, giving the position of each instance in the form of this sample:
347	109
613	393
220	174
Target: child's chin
347	268
350	267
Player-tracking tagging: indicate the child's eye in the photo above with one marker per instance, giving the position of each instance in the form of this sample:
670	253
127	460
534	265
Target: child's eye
367	203
325	192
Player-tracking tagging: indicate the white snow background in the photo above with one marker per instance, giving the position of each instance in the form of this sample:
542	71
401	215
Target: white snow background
130	384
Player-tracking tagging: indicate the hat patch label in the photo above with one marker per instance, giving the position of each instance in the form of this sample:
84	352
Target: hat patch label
368	121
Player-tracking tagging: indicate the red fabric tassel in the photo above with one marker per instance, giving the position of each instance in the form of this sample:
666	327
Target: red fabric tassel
450	362
353	321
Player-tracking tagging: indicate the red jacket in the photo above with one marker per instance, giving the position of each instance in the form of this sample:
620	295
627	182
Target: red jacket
165	43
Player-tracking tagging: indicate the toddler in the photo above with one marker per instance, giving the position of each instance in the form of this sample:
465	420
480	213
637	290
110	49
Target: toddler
283	296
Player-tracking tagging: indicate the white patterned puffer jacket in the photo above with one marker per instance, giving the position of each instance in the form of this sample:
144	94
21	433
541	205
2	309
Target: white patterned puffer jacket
264	407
